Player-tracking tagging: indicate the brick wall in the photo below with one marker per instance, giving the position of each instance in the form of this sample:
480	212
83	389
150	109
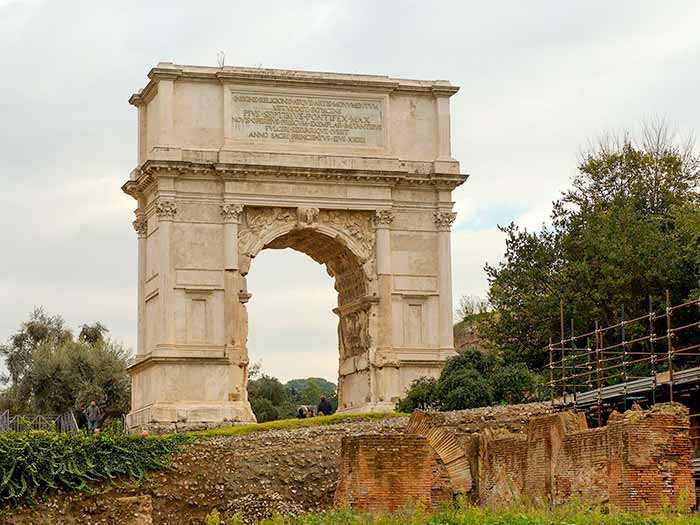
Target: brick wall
650	459
640	462
502	467
581	469
385	473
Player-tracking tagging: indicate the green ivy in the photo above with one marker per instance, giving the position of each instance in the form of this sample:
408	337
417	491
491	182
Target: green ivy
33	462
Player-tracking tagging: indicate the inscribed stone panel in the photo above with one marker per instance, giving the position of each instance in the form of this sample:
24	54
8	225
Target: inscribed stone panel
292	118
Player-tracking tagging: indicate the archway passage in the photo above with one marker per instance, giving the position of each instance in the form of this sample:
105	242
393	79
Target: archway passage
292	327
329	238
344	266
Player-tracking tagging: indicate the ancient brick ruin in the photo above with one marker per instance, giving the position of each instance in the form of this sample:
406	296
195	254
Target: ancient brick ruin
640	462
380	473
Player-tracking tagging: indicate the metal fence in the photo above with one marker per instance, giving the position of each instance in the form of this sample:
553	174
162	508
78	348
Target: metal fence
654	348
27	423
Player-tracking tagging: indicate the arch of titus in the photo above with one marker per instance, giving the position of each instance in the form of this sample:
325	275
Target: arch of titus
353	170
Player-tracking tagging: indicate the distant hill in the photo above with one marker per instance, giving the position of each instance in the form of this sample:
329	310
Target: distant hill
299	385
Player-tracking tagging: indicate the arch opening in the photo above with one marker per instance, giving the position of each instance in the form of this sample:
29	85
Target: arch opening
343	242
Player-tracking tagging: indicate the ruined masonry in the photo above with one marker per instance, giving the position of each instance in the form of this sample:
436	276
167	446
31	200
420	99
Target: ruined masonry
353	170
639	462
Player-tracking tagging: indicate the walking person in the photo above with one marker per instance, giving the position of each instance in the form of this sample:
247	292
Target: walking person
93	415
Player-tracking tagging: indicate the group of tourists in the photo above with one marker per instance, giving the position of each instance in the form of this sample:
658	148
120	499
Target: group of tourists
89	417
324	409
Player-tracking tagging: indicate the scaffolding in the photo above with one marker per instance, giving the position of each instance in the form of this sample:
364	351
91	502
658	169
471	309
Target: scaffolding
641	353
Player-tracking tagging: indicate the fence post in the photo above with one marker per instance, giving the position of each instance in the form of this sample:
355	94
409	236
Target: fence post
669	336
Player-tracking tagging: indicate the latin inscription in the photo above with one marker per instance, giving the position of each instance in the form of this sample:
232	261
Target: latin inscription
286	118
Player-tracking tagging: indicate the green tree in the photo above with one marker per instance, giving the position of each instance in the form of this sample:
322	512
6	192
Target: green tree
49	371
464	383
309	391
464	389
92	334
626	230
268	399
269	388
263	409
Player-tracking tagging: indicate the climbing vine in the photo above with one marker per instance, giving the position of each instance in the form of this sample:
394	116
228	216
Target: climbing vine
32	463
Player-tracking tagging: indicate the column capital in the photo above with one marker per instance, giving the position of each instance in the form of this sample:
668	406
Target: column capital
231	211
444	219
166	209
383	218
140	226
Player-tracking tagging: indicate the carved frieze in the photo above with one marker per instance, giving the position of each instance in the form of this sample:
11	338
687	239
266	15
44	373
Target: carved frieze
166	208
354	333
355	224
258	222
444	219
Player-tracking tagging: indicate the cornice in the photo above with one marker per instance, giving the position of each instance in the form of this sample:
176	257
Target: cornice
314	79
145	177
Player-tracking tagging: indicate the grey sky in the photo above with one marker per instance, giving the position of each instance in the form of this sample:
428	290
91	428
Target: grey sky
539	80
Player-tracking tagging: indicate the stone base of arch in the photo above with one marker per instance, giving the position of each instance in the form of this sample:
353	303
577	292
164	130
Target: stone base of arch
196	399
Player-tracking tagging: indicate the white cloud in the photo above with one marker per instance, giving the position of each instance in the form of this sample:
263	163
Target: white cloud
539	80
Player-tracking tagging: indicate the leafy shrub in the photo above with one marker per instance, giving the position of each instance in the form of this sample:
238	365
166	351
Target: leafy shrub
513	383
263	409
472	379
33	462
464	388
422	395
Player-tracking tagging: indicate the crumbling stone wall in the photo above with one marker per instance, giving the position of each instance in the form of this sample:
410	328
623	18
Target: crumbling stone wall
640	462
502	464
650	459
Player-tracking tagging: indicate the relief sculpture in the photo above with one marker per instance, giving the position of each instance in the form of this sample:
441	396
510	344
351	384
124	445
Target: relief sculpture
354	331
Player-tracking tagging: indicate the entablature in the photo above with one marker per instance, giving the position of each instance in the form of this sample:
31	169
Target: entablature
143	179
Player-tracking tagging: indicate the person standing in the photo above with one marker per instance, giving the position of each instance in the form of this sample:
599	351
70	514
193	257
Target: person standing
324	407
82	418
93	415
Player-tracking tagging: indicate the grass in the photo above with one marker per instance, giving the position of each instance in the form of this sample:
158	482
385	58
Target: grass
463	514
290	424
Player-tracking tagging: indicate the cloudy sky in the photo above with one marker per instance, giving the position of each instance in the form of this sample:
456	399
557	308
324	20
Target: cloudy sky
539	80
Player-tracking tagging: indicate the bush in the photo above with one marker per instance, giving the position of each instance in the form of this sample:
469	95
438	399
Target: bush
422	395
264	410
464	389
513	383
34	462
472	379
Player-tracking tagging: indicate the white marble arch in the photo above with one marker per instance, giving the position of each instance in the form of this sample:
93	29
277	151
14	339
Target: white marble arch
353	170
